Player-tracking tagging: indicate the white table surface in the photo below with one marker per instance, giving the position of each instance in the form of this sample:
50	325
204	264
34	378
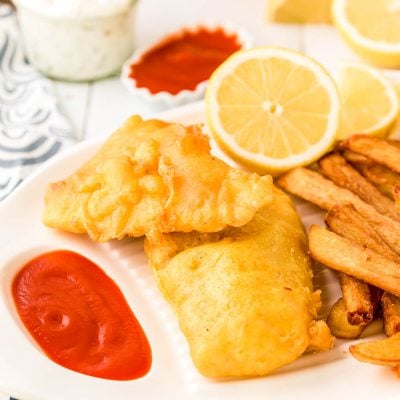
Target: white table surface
100	107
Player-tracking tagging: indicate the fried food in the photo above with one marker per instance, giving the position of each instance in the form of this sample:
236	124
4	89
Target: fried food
355	158
335	167
311	186
243	296
380	352
396	195
151	176
345	256
381	151
382	177
391	313
346	221
339	324
357	300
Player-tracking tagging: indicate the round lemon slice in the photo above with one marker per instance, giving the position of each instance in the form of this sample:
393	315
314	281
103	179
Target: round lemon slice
272	109
370	103
371	28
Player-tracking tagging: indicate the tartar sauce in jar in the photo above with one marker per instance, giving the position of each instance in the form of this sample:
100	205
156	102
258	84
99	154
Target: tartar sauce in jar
77	40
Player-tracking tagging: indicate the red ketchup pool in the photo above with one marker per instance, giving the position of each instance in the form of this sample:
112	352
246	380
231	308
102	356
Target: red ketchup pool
80	318
181	61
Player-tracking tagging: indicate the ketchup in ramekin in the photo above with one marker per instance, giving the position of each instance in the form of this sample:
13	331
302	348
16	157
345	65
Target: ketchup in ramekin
183	60
176	69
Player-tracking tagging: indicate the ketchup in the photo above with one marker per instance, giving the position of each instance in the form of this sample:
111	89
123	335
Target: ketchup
183	61
80	318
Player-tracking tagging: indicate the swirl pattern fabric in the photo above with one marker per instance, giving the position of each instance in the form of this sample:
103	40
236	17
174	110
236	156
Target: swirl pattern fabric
32	126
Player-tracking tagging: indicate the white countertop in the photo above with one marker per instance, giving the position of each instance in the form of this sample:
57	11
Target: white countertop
100	107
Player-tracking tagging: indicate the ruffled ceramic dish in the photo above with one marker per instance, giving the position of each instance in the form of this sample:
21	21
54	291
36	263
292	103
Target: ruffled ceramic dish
162	98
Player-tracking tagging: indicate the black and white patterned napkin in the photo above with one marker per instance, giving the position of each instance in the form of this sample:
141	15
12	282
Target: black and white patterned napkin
32	127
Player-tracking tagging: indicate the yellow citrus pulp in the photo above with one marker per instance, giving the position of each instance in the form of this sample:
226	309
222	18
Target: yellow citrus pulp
371	28
272	109
369	100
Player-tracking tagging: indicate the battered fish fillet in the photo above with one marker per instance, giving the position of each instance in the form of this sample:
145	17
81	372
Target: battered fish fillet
243	296
152	176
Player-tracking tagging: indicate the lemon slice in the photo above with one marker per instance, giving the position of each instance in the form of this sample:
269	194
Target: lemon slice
370	103
272	109
371	28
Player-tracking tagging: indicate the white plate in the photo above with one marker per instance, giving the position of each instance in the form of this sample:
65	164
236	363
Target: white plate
27	373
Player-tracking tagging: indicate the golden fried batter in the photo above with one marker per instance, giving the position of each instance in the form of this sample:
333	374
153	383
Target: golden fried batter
152	176
243	296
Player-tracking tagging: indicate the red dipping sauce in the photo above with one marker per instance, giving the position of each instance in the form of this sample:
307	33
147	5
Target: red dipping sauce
80	318
184	60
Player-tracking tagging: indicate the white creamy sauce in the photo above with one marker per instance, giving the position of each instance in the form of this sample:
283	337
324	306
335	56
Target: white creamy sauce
77	40
76	8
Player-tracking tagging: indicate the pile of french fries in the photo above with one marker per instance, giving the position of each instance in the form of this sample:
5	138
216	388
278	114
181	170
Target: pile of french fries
358	184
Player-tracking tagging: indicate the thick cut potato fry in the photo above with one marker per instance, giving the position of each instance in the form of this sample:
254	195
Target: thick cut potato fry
318	190
346	221
336	168
357	302
383	178
345	256
391	313
339	324
396	195
394	142
355	158
380	352
381	151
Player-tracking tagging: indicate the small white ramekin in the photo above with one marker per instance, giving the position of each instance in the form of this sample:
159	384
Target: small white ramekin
76	47
164	100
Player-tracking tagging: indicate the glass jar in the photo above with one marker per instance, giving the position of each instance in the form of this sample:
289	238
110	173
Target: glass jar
77	40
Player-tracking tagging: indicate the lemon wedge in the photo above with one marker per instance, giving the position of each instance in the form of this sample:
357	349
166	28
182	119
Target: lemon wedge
371	28
370	103
272	109
299	11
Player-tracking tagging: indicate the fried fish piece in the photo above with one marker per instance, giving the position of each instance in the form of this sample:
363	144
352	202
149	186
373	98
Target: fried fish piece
243	296
152	176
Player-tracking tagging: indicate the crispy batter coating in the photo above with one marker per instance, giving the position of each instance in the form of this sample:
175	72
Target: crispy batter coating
243	296
152	177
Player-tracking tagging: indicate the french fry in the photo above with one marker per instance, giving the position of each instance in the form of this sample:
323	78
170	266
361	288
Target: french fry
396	195
394	142
339	325
383	178
336	168
359	308
381	151
380	352
345	256
354	158
316	189
346	221
391	313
